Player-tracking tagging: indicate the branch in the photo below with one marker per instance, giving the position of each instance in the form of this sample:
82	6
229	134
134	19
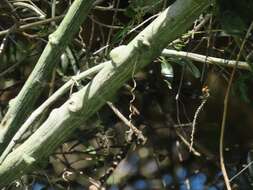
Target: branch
23	104
43	107
30	25
206	59
62	121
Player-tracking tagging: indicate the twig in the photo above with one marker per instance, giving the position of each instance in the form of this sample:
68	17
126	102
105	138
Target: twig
223	168
201	24
26	26
91	36
241	171
105	25
5	39
32	7
17	17
100	50
183	125
206	59
109	8
144	22
53	11
183	139
137	132
35	115
116	2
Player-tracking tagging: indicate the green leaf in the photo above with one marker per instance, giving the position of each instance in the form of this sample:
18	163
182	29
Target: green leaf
166	68
189	66
122	33
192	68
249	60
166	71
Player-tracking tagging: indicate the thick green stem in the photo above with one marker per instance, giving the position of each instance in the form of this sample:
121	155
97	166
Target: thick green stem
23	104
64	120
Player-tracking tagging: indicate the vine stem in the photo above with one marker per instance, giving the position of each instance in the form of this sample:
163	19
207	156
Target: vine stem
195	121
131	110
226	99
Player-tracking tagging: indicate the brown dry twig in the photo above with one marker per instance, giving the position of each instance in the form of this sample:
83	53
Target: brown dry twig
226	99
135	130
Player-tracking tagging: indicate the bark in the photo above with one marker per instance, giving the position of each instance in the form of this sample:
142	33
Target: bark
125	59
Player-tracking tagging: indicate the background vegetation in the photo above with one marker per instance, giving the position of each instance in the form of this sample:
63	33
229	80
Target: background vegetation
173	125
